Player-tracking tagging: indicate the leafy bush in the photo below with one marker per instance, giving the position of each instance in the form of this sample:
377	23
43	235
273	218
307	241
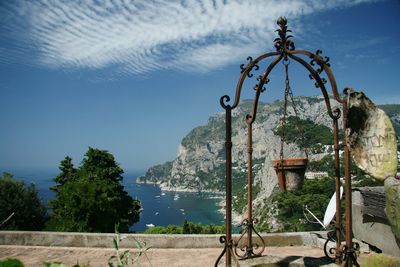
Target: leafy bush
170	229
11	263
187	228
23	202
315	194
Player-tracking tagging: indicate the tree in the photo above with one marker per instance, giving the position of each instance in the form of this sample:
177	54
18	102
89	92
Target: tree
315	194
22	201
67	172
92	198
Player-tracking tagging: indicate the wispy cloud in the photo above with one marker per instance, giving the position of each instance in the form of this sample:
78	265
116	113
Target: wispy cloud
144	36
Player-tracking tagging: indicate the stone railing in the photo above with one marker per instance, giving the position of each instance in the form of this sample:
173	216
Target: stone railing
67	239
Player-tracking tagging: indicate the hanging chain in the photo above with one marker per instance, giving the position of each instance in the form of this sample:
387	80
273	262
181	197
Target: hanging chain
289	93
283	122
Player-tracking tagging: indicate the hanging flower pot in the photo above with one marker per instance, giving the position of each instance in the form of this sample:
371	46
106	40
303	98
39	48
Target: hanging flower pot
290	173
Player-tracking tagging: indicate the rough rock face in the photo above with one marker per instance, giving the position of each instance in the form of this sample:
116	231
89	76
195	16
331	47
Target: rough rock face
200	163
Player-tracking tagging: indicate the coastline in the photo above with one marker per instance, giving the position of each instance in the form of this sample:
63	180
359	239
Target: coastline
167	188
236	217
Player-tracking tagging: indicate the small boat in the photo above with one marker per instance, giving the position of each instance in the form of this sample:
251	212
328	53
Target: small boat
163	194
150	225
157	196
181	209
176	197
156	213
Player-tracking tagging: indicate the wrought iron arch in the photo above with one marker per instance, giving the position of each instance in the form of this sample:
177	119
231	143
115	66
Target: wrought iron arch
285	50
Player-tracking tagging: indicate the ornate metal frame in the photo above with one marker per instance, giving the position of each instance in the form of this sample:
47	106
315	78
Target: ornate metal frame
285	49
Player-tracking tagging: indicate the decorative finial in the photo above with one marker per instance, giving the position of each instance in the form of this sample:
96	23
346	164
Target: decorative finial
283	43
282	21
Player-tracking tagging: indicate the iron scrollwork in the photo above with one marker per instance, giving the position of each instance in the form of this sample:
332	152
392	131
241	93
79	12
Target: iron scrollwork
323	61
249	250
285	50
350	255
252	64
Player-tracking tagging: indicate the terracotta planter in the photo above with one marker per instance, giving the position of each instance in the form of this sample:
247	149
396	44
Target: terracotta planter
290	173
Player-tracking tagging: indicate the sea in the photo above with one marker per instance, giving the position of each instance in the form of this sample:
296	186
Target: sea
160	208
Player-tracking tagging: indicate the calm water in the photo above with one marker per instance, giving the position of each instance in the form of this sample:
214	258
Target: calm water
159	208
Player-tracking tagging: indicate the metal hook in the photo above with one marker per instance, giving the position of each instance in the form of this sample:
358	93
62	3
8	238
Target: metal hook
286	61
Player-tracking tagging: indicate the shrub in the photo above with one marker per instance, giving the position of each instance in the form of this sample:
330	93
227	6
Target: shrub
11	263
380	260
20	206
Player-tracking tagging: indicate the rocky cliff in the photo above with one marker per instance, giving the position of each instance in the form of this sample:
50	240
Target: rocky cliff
199	165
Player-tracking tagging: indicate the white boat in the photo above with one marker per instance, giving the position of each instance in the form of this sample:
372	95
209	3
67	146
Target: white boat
156	213
157	196
176	197
150	225
163	194
181	209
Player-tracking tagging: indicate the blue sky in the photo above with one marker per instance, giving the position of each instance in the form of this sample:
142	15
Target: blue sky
134	77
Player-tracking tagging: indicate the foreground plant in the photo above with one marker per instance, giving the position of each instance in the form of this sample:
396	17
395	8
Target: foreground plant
11	263
126	258
380	260
54	264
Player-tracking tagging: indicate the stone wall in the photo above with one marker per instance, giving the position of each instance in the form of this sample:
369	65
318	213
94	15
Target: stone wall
64	239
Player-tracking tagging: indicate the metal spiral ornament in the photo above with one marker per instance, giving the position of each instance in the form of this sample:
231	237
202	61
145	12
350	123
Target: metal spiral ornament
323	61
316	64
245	251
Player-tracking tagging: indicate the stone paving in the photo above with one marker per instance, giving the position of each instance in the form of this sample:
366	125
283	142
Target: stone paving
33	256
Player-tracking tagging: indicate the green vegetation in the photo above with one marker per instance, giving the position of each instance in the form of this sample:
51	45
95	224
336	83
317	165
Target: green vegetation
314	135
315	194
11	263
54	264
213	180
187	228
380	260
239	183
126	258
91	198
359	178
157	172
121	258
326	164
214	130
392	110
67	173
18	263
22	203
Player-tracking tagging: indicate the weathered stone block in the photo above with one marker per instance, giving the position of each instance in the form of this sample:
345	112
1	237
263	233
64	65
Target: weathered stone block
392	193
370	227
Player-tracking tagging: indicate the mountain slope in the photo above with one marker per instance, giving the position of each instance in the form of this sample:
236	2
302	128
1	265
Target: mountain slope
199	165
